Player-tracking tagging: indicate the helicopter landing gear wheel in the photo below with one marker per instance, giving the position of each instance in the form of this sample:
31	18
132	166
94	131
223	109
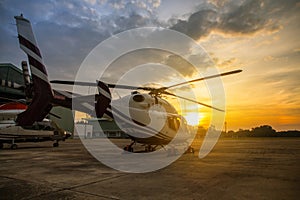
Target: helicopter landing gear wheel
149	148
190	150
56	144
129	148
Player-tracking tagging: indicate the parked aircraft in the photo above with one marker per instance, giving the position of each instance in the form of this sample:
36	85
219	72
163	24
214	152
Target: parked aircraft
151	120
38	132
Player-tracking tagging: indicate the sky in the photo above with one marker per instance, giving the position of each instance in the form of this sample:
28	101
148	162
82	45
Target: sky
261	37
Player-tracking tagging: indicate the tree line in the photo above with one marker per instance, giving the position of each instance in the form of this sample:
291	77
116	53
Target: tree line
261	131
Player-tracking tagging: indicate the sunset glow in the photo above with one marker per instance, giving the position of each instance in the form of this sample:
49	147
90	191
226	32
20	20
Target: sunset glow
260	37
193	118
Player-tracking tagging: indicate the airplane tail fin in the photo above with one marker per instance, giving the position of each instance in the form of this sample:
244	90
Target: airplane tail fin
43	94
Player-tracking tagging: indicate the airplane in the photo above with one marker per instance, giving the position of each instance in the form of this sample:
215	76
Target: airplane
144	108
9	111
40	131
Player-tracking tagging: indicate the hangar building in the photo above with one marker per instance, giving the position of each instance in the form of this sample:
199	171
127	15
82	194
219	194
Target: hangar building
10	74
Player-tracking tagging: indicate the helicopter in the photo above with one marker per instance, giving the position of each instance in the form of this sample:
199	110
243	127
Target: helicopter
147	118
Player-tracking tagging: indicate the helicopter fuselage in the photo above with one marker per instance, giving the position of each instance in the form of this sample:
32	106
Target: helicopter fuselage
149	119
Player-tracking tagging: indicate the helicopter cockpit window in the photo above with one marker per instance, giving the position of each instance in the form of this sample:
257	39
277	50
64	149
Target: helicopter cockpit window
174	123
177	121
138	98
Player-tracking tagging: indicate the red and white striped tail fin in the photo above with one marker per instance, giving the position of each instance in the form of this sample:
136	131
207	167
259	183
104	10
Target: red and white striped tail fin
43	93
29	45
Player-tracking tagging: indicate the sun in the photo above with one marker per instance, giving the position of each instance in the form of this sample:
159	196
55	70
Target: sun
193	118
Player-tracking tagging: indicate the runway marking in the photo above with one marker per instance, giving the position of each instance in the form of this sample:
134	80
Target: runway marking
60	189
97	195
86	184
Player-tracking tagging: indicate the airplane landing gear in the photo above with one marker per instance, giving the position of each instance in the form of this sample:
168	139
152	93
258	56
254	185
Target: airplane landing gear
14	146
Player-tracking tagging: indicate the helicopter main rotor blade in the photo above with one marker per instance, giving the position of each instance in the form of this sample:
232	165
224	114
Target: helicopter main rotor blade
204	78
74	83
152	90
197	102
129	87
80	83
54	115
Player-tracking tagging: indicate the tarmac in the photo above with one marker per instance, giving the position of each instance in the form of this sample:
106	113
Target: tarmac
243	168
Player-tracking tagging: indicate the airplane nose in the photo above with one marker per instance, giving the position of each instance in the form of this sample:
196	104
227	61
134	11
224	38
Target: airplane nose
67	134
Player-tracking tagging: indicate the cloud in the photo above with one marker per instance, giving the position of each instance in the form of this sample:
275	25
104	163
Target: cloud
92	2
64	48
67	31
226	63
297	50
198	25
155	3
180	64
234	18
269	58
155	71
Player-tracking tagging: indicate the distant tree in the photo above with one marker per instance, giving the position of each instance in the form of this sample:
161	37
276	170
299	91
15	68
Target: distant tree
243	133
230	134
289	133
263	131
226	134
